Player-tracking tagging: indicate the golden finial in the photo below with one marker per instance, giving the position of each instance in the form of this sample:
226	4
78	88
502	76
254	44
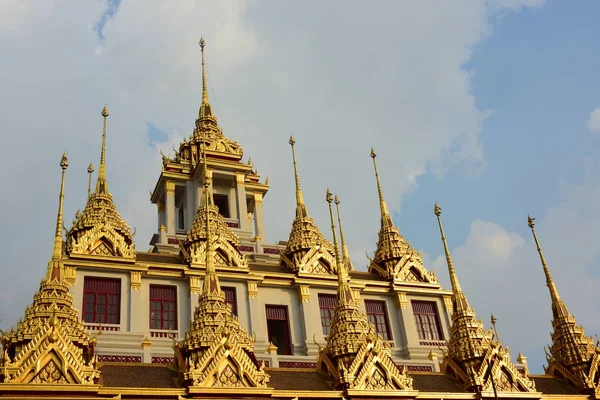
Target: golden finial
549	281
90	171
301	210
493	320
101	184
341	271
57	250
345	252
385	215
453	277
205	109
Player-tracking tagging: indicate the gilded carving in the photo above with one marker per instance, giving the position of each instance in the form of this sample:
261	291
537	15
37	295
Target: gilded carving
401	300
70	275
195	284
448	303
252	289
304	292
136	280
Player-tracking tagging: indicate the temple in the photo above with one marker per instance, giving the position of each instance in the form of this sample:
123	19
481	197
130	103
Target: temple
213	310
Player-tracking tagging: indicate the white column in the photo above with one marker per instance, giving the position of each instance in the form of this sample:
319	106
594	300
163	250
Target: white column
259	218
189	202
170	207
160	205
242	207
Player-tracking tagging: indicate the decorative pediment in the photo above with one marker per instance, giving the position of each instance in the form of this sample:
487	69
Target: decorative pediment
371	368
50	357
226	255
224	364
495	363
316	260
102	240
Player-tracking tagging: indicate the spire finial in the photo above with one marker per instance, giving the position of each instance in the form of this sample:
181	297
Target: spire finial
101	184
344	291
345	252
551	286
453	277
385	215
90	171
493	320
301	210
205	109
57	250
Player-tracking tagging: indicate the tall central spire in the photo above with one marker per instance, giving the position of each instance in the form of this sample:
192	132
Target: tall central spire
453	277
345	252
205	108
54	267
211	281
344	291
101	184
386	220
301	211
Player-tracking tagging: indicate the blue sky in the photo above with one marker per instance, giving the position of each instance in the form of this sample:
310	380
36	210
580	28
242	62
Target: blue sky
479	105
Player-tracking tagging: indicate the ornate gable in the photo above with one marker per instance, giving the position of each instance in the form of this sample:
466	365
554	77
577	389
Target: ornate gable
50	357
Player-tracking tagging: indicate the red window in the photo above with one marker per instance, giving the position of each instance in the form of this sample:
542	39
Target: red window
428	321
101	300
163	307
231	299
378	316
326	305
278	328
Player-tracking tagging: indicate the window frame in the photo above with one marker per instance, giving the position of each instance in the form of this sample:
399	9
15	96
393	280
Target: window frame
98	294
164	324
326	311
289	346
424	320
218	197
376	323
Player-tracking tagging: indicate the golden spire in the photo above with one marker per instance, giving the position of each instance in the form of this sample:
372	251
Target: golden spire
557	303
344	291
205	109
301	211
101	184
211	281
386	220
453	277
345	252
54	267
90	170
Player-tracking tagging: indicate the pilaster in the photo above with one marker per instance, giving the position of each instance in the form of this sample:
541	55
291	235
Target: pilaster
311	320
242	207
259	220
170	207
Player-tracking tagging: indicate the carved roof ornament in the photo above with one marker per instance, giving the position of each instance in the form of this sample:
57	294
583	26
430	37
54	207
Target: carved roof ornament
573	356
50	345
99	229
356	357
395	258
474	356
216	351
207	133
227	242
307	250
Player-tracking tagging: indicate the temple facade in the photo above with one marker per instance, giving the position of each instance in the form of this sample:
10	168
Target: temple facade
213	310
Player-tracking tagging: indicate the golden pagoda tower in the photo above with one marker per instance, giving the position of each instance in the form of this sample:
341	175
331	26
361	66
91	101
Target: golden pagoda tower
395	258
573	356
216	351
50	345
356	357
307	250
99	230
474	356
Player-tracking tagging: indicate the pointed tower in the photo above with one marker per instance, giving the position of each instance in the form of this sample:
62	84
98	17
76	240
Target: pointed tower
236	187
225	249
216	351
50	345
307	250
345	252
356	357
99	230
474	356
395	258
573	356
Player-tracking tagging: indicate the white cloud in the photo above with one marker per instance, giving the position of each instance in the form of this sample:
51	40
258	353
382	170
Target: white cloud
339	78
593	123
